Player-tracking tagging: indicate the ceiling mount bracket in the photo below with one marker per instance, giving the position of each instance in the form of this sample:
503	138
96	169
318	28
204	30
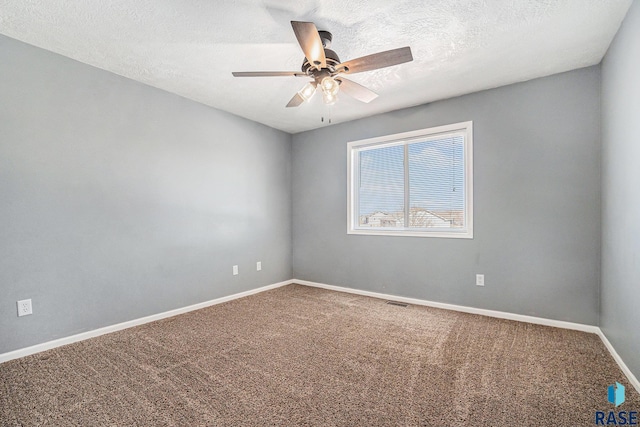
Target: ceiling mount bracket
326	38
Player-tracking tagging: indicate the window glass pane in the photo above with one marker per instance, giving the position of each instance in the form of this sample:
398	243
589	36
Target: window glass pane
436	183
381	187
416	183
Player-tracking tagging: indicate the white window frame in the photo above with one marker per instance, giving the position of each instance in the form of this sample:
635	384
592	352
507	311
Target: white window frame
354	147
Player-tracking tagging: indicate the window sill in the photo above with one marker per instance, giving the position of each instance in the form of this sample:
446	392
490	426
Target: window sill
466	234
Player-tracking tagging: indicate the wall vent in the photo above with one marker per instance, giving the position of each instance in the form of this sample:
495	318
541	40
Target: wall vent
398	303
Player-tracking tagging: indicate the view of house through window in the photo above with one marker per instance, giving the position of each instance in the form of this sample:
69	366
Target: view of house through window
416	183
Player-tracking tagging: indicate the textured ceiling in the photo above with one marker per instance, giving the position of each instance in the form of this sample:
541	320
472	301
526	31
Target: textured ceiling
190	47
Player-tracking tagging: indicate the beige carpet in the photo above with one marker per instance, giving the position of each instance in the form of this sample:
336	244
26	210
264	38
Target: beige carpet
304	356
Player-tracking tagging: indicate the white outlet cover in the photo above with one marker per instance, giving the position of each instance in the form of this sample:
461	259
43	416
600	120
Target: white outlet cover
24	307
258	265
235	270
480	279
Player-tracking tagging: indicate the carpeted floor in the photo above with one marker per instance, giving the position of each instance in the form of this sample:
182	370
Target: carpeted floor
304	356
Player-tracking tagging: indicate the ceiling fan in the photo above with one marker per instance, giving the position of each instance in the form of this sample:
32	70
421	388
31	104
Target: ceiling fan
324	68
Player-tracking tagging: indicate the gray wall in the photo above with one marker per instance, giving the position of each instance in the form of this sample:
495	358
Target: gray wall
620	293
119	201
537	205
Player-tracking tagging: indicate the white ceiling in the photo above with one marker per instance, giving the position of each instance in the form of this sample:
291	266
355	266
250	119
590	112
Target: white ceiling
190	47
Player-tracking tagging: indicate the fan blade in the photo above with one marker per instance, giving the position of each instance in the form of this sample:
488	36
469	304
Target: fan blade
295	101
377	60
356	90
267	74
310	42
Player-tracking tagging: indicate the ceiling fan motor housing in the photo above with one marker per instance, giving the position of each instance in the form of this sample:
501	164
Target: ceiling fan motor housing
332	61
332	58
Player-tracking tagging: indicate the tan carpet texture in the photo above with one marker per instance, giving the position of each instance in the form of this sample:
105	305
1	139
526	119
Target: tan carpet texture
298	355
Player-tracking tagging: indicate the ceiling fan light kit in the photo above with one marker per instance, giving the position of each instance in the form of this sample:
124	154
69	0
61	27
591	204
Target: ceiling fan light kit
330	86
308	91
329	99
323	66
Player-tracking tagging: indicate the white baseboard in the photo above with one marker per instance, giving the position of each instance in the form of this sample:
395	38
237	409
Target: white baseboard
491	313
632	378
135	322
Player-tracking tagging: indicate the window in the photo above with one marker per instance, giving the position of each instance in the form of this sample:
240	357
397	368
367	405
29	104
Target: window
416	183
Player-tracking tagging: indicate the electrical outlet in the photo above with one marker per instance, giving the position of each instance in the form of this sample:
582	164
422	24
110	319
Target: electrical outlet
480	279
235	270
24	307
258	265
